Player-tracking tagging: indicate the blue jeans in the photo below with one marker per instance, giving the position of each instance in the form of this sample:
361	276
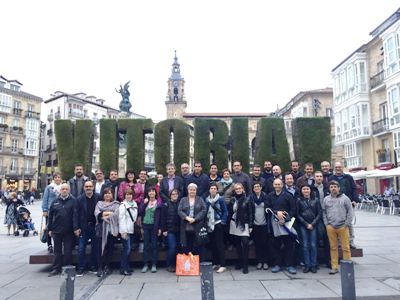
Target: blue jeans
89	233
126	251
172	238
309	246
150	244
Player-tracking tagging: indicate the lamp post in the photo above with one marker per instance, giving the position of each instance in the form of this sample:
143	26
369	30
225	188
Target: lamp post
396	165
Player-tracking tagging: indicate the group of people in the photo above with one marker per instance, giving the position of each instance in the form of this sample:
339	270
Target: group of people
285	215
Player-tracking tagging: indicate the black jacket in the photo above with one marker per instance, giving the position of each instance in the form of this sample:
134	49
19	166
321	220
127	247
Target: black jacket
170	220
347	186
61	215
179	184
114	185
81	212
16	204
309	211
203	184
74	186
245	211
261	180
282	202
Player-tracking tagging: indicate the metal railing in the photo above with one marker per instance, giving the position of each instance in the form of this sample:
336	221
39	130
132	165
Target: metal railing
380	126
17	111
377	79
32	114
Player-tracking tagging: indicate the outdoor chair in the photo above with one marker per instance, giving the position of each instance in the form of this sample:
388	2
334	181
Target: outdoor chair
385	204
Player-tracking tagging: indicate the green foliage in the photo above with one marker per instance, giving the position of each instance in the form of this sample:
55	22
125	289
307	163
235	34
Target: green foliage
312	140
74	145
135	130
217	146
271	143
162	148
108	145
240	142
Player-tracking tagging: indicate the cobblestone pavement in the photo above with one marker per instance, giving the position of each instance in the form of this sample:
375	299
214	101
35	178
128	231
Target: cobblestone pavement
377	273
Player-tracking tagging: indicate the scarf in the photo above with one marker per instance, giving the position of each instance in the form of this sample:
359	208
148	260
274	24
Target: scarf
226	183
111	223
257	200
239	211
211	213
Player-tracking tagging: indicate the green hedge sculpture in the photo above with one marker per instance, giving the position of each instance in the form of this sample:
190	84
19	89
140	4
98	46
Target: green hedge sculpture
217	146
240	142
312	140
271	143
162	148
108	145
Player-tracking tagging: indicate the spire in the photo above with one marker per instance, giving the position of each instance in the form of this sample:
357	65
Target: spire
176	71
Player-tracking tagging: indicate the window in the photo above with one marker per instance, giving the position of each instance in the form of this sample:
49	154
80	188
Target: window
396	139
14	165
338	122
352	116
350	76
393	96
28	163
383	111
5	103
31	146
363	83
15	122
17	105
345	120
391	49
30	107
14	145
329	112
1	143
2	120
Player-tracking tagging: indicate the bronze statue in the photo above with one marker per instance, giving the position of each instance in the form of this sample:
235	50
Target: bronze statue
125	105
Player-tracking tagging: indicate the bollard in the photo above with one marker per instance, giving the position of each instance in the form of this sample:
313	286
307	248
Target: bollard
67	283
207	281
347	280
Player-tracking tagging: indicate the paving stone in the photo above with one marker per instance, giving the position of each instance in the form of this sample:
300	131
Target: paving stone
170	291
293	289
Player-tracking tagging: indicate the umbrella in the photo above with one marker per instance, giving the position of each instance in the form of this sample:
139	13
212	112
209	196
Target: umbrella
363	174
379	174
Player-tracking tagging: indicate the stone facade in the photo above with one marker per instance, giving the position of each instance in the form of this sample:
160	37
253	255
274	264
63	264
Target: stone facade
19	136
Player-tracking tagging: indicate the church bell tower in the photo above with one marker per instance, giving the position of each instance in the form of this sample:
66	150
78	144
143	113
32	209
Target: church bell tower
176	102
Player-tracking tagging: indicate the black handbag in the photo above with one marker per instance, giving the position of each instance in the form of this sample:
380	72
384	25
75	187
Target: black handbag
44	232
202	237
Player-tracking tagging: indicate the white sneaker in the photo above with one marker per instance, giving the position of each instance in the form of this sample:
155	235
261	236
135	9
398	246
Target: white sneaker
221	270
259	266
265	266
216	267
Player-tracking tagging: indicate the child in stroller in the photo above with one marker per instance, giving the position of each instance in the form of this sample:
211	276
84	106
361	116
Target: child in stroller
25	221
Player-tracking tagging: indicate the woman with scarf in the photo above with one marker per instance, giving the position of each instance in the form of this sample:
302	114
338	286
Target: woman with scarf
225	186
309	213
260	229
106	213
50	194
192	211
127	217
241	221
217	215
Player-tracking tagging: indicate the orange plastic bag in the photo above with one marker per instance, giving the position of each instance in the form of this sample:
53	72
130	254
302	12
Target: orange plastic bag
187	265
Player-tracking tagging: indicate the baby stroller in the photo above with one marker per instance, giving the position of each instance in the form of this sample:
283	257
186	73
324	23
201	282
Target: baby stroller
24	221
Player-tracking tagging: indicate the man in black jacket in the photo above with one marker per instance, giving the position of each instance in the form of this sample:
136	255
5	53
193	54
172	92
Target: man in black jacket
256	177
284	207
84	223
200	179
60	228
113	183
76	183
170	182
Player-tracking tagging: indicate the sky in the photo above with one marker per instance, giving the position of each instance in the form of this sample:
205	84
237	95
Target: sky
235	56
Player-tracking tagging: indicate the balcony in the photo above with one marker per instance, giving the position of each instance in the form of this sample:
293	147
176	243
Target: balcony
48	163
76	114
353	162
32	114
16	130
354	134
50	132
14	150
380	126
377	79
3	127
30	152
383	155
28	171
13	171
17	111
57	115
50	118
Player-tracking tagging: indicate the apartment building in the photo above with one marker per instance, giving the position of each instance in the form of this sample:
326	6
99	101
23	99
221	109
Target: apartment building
77	106
312	103
367	105
19	136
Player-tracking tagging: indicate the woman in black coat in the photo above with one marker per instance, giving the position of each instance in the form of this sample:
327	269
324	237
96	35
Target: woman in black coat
241	216
309	213
192	211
